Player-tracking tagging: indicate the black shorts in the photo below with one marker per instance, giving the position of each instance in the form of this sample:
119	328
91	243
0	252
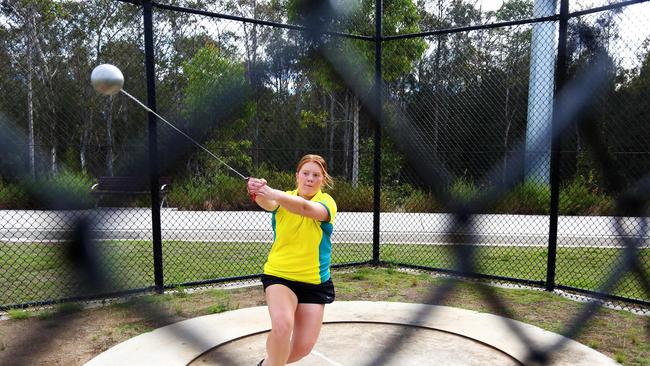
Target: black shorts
306	293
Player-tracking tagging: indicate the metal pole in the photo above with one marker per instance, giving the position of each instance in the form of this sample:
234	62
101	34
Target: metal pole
540	94
378	116
556	144
153	146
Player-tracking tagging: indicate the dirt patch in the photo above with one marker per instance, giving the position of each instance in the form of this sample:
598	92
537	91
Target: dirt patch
75	338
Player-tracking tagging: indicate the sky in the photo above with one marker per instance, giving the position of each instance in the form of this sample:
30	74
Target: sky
634	25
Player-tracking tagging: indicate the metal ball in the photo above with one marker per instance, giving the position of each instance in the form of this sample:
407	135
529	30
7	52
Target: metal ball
107	79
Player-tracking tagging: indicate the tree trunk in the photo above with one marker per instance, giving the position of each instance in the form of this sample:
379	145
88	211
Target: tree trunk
506	134
436	91
177	36
54	166
257	86
355	140
255	83
109	136
46	76
84	139
436	84
579	160
346	135
30	97
295	128
331	132
256	138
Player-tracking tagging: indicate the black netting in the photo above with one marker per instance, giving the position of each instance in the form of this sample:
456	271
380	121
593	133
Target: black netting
500	160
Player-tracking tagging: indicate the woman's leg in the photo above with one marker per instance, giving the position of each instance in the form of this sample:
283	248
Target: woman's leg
282	304
307	324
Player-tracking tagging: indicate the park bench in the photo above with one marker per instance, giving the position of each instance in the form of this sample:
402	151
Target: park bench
128	186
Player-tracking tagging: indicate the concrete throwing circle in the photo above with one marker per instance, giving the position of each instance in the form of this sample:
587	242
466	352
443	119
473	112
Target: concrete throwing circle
354	331
358	343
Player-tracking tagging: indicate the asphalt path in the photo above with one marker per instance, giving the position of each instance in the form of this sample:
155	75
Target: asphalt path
25	226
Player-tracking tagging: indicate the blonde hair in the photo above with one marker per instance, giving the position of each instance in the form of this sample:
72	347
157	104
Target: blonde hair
328	181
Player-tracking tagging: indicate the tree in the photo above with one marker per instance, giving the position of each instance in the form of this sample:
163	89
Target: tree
447	81
105	27
586	40
626	120
101	32
32	18
512	57
73	37
254	38
216	106
400	16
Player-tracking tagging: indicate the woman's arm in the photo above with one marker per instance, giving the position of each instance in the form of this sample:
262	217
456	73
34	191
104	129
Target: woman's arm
269	198
253	186
296	204
267	204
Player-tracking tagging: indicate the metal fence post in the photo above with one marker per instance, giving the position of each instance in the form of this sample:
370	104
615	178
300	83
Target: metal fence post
153	146
560	78
377	151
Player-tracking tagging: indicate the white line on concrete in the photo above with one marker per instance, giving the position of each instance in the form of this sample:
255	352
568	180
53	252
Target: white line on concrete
316	353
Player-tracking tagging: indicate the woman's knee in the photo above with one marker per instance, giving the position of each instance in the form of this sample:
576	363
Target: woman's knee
282	326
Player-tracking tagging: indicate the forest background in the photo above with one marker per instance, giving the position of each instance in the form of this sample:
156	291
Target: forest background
260	98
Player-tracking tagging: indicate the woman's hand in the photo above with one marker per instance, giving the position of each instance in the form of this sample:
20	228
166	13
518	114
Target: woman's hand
254	184
259	188
260	193
269	199
267	192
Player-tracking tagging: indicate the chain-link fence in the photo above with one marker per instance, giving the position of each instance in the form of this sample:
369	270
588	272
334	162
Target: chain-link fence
480	170
480	97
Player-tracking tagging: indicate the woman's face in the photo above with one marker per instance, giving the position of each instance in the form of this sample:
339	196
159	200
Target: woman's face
309	178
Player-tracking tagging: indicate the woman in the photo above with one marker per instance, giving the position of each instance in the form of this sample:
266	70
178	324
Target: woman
296	275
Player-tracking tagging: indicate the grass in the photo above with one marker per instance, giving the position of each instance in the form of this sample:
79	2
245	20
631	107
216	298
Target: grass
34	271
620	335
17	314
585	268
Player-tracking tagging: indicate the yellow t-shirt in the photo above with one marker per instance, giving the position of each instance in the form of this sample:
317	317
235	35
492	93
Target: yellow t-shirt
302	247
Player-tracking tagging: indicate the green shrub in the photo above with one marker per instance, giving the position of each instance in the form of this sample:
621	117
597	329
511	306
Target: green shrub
415	200
529	198
66	190
230	194
12	196
218	308
392	161
225	192
18	314
45	314
420	201
190	194
581	196
278	179
463	190
216	193
358	199
577	197
398	194
180	291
